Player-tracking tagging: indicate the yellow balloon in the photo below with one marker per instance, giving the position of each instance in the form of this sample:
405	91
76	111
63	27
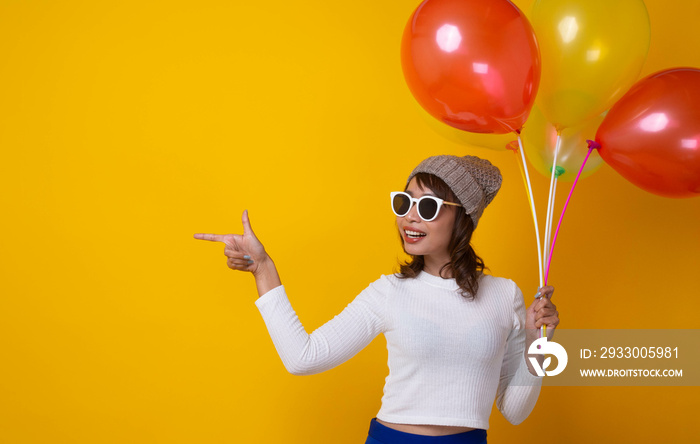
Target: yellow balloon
540	141
492	141
592	51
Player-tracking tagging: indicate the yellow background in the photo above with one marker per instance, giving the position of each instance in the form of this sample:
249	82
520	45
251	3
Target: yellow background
125	127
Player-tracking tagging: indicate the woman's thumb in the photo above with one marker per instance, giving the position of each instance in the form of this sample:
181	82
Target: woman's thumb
246	224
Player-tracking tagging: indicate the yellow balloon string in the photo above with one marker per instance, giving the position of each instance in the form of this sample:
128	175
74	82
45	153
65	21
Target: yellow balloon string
522	173
528	192
528	187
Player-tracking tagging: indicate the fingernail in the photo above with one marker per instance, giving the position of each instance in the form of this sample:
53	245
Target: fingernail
250	262
246	257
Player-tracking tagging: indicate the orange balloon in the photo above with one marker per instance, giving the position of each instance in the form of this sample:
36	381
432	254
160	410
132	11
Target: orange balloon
651	136
472	64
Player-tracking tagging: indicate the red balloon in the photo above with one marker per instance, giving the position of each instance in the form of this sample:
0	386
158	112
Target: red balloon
473	64
651	136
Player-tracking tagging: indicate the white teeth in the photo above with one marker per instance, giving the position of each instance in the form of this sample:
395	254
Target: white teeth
414	234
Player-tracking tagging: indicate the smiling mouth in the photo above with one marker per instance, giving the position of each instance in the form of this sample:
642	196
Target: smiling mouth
414	234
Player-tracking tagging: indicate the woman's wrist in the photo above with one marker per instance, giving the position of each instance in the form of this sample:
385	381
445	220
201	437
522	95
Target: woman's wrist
266	276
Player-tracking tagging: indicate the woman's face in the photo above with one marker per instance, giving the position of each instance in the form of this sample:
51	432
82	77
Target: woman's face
429	239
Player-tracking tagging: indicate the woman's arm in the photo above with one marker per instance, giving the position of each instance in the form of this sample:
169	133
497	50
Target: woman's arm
334	342
518	389
519	386
330	345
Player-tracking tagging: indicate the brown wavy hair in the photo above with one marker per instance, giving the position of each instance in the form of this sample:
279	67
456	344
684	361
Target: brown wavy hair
465	265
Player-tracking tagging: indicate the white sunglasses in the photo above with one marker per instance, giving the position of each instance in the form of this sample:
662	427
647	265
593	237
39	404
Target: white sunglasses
428	206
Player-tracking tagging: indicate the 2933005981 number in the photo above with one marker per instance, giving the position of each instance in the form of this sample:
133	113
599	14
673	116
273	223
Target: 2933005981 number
639	352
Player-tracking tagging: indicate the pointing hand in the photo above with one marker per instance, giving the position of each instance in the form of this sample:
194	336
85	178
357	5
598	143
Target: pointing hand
244	252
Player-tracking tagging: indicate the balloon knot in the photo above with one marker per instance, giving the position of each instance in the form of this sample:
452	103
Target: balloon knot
592	144
513	146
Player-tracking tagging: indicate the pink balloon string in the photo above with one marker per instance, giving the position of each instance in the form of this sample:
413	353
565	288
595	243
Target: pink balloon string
591	146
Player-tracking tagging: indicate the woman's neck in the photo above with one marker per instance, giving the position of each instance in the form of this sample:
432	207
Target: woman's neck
433	265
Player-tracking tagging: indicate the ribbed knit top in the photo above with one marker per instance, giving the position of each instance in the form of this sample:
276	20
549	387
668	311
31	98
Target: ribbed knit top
449	357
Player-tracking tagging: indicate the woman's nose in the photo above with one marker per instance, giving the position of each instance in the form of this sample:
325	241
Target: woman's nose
412	215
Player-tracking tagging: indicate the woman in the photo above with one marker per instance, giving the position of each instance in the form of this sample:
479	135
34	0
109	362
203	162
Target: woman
456	337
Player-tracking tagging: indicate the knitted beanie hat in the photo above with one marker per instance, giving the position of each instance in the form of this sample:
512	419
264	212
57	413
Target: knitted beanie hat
474	181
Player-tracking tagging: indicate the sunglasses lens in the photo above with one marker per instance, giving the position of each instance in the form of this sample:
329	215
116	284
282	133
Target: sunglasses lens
427	208
401	204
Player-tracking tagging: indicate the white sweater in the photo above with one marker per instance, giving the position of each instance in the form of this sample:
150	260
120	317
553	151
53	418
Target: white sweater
449	357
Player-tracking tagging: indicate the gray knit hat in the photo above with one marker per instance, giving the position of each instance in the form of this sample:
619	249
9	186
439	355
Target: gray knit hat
474	181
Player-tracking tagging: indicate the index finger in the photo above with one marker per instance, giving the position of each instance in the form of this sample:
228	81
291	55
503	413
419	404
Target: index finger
209	237
547	291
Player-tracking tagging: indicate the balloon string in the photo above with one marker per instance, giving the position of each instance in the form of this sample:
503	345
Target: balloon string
532	207
556	233
551	218
528	190
522	172
550	202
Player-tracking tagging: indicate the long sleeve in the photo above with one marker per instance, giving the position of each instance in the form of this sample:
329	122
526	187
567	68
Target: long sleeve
518	389
331	344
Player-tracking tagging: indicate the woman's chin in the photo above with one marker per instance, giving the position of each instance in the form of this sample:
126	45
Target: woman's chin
412	249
